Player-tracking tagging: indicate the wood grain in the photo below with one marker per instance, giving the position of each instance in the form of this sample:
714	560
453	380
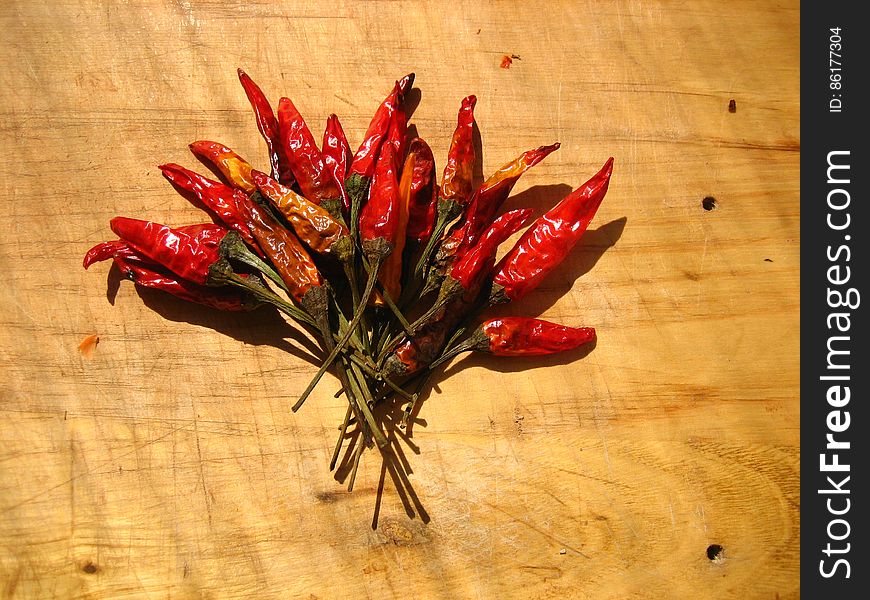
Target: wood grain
169	464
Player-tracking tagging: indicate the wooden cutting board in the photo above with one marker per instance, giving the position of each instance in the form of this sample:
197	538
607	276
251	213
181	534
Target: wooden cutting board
168	464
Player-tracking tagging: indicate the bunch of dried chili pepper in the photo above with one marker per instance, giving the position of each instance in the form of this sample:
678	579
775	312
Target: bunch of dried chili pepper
387	267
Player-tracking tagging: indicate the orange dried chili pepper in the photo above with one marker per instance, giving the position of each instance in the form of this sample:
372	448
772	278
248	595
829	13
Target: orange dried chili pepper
312	223
235	170
284	250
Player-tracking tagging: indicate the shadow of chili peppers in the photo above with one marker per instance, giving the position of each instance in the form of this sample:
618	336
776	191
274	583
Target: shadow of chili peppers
583	258
113	283
263	326
541	198
393	462
411	102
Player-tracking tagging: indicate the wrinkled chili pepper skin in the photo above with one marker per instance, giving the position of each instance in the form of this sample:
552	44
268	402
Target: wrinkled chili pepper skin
479	261
547	242
337	155
312	224
189	254
103	251
492	194
379	217
418	352
390	274
309	168
420	187
147	273
220	200
365	158
268	126
457	181
234	169
285	251
522	336
228	299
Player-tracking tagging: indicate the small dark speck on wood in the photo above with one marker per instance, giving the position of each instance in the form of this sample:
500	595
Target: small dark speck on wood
732	106
708	203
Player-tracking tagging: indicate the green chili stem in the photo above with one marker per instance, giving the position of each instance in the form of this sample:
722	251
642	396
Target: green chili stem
373	372
265	295
358	381
395	309
342	433
350	273
437	232
357	454
348	332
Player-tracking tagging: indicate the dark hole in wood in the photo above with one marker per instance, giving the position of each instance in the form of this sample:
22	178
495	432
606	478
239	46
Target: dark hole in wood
732	106
709	203
714	551
89	568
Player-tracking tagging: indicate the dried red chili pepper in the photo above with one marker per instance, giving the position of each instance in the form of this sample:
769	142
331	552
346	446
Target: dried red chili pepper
521	336
337	155
470	271
418	351
421	190
489	198
220	200
105	251
379	218
150	274
315	179
223	298
476	264
312	223
390	275
233	168
547	242
189	254
457	182
362	166
268	126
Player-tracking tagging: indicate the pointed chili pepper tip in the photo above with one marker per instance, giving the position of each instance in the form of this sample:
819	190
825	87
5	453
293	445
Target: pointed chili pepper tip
406	83
199	146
